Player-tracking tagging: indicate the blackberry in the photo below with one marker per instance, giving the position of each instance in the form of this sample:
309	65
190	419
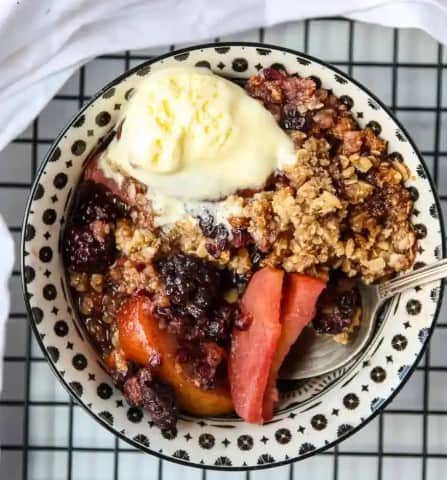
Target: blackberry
242	320
202	359
219	241
96	202
192	284
206	223
334	144
218	234
213	249
221	322
142	390
215	325
348	301
131	389
336	310
272	74
255	255
159	400
197	310
85	253
293	120
232	279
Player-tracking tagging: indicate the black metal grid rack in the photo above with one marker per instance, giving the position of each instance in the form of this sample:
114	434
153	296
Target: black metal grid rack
406	439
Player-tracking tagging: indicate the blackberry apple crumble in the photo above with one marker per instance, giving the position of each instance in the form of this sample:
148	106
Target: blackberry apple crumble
217	224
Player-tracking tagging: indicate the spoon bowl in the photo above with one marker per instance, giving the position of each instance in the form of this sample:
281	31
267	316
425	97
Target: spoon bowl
315	354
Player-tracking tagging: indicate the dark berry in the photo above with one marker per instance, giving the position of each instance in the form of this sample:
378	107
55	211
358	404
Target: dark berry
164	313
159	400
213	249
195	289
271	74
132	391
218	234
202	359
241	281
144	375
206	223
255	256
293	120
96	202
336	309
142	390
334	143
219	242
348	301
242	320
132	384
231	279
190	280
221	321
85	253
183	354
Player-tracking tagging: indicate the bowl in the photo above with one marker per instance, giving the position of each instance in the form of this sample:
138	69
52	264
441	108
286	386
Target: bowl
313	414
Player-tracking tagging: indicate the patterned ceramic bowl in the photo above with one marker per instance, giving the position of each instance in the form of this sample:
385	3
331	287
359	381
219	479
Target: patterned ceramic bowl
313	414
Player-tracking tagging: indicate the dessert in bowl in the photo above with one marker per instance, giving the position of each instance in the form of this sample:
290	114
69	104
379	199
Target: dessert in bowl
211	224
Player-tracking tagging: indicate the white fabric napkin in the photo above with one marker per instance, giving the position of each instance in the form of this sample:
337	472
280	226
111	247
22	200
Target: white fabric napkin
6	264
44	41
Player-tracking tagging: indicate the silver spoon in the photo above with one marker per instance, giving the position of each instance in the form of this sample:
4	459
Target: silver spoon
315	354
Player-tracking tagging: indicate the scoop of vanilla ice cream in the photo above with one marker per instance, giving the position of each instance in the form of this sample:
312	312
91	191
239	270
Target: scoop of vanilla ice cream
180	118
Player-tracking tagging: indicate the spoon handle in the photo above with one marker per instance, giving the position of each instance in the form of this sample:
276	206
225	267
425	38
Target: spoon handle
421	276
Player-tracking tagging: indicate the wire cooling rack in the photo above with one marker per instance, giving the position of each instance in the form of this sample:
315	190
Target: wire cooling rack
44	435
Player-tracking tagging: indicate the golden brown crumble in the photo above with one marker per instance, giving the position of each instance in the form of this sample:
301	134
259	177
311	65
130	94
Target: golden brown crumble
314	224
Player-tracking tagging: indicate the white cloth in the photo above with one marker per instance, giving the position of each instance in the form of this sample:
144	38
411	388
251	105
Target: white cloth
44	41
6	264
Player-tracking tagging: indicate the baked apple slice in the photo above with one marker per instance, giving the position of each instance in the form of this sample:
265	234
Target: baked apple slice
298	307
253	349
141	338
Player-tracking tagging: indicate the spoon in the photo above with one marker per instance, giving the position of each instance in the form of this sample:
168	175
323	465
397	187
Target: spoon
315	354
